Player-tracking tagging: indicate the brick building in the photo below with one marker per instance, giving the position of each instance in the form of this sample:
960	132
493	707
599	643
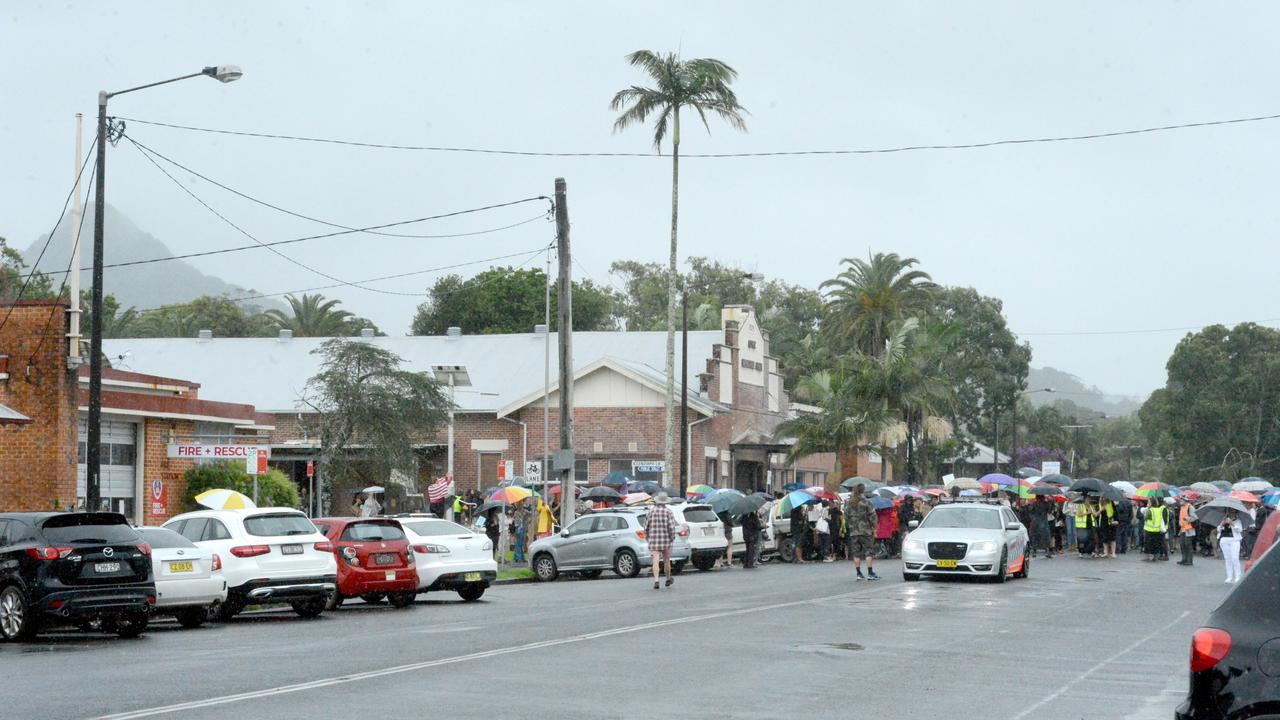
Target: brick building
736	400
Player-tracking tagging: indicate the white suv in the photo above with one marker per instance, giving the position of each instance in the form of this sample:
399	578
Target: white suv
705	533
269	555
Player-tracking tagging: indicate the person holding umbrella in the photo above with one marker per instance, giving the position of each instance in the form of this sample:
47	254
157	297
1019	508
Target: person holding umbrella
1230	531
860	518
1154	527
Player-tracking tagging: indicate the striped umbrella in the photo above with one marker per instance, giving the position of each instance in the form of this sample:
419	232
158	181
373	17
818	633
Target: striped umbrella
697	492
1155	490
225	500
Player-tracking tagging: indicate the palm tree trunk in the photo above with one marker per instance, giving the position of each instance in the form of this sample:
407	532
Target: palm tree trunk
668	449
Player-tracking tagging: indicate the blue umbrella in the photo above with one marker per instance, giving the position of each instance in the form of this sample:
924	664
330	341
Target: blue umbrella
618	478
794	486
795	499
879	503
644	486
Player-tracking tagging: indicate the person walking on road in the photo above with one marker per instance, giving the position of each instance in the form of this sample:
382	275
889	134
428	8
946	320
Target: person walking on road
751	537
860	518
1229	534
1041	518
660	531
1187	531
726	522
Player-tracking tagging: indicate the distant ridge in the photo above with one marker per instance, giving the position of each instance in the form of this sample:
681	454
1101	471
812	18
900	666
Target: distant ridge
1069	387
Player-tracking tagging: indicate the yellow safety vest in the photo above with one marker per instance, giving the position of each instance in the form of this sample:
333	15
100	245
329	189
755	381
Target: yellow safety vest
1082	517
1155	519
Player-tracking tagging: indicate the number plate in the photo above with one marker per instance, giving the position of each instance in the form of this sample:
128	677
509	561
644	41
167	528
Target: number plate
384	559
291	549
391	575
947	564
109	567
471	577
181	567
708	531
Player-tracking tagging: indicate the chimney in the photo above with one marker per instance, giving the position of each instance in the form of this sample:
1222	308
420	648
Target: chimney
285	335
366	333
453	332
204	336
539	330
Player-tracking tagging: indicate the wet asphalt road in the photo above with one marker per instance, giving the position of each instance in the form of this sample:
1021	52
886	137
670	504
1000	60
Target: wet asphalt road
1079	639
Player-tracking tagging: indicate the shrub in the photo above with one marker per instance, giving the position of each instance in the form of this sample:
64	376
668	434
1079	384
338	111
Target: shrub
274	488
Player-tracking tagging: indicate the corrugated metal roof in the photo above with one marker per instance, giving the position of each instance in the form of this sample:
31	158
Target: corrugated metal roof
272	374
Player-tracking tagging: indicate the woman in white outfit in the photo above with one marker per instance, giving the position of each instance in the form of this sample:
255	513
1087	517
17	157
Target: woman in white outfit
1229	534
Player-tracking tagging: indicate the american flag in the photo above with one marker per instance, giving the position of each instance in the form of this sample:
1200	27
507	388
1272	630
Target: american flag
438	490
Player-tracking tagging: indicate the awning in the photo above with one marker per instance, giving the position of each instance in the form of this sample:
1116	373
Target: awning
756	440
11	416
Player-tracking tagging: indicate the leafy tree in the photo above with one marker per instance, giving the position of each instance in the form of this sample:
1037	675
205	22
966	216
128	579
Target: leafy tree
1218	415
314	316
116	322
700	85
845	426
508	300
274	488
368	411
13	275
869	296
221	315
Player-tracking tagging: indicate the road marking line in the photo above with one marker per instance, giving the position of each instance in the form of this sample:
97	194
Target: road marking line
398	669
1084	675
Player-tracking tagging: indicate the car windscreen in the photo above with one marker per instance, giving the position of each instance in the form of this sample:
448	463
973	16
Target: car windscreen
979	518
700	515
278	524
432	528
163	538
102	528
372	532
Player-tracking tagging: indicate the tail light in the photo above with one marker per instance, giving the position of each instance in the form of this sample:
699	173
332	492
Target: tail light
1208	647
144	548
217	563
350	555
248	551
433	549
408	555
684	531
151	599
324	547
640	534
48	553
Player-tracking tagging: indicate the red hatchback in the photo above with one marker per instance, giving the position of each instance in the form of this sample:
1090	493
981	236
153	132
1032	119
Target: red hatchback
374	560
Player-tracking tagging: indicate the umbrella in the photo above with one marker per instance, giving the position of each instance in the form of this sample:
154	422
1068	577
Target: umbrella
1222	485
1204	488
795	499
1114	494
905	489
225	500
1244	497
618	478
722	500
1126	487
1272	499
1212	513
970	493
885	492
1089	486
937	492
866	483
373	489
644	486
491	504
745	504
1042	489
998	479
1059	480
698	491
965	484
1153	490
792	486
636	498
601	492
1027	473
880	503
1253	485
512	495
762	495
822	493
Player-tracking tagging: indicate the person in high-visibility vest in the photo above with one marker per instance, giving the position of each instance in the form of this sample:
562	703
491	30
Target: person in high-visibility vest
1187	531
1154	527
1082	522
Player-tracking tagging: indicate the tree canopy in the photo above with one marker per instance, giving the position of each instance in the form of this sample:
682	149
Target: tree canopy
508	300
314	316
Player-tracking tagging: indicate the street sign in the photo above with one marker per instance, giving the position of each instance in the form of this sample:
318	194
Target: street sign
648	466
533	472
502	471
198	451
159	497
1050	468
311	468
262	462
509	469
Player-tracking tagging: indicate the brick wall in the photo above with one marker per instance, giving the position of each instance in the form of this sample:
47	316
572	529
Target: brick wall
156	464
37	459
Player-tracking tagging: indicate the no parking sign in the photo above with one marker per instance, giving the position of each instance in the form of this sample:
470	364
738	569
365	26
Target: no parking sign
159	497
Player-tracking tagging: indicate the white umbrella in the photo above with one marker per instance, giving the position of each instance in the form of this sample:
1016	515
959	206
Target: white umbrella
965	484
1253	485
1126	487
373	489
222	499
1213	512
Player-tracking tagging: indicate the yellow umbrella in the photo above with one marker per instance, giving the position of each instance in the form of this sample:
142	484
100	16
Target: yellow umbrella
225	500
512	494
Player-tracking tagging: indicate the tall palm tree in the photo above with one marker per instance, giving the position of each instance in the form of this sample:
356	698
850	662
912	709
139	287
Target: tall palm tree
846	424
701	85
870	295
312	316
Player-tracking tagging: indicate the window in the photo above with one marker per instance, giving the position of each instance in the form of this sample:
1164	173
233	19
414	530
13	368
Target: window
4	538
276	525
620	466
20	532
712	468
215	530
121	455
609	523
700	514
163	538
82	450
962	518
581	526
87	528
580	471
193	529
488	470
372	532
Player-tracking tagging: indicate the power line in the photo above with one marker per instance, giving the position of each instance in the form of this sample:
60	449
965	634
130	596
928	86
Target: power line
286	211
1145	331
779	153
75	247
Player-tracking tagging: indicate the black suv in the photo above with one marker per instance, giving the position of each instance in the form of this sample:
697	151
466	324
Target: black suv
1235	656
72	569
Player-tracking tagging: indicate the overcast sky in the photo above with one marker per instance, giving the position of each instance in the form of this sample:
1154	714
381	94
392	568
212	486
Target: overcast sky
1136	233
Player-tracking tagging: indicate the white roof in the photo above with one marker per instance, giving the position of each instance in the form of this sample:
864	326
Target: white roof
981	455
272	374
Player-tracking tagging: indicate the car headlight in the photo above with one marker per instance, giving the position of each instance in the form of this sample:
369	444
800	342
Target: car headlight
913	545
987	546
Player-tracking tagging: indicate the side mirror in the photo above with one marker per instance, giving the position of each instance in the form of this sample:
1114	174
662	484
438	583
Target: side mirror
1013	526
564	534
913	524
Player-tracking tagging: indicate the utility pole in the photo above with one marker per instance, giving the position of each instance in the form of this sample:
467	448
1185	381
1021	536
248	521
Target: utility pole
73	282
564	320
93	445
684	391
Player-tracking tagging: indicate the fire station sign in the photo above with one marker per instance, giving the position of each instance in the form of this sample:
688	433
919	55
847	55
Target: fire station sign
196	451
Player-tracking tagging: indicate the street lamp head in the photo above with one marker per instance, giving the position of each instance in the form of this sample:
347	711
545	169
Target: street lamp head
224	73
754	277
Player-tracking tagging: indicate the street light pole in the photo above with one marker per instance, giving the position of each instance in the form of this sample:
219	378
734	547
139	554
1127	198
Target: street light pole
93	456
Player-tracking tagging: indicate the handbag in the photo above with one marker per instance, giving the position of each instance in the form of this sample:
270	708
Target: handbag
823	527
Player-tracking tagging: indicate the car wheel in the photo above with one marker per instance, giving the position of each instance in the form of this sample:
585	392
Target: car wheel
17	622
192	617
310	608
130	625
373	598
544	568
471	592
335	601
1003	574
704	562
910	577
590	574
402	599
625	564
677	567
787	550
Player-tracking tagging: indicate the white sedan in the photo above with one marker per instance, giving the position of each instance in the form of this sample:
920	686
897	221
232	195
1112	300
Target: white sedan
450	557
966	538
189	581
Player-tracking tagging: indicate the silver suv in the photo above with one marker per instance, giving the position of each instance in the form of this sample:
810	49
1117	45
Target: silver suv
612	539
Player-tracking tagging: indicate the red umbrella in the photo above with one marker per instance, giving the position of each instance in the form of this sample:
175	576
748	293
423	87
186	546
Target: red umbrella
1244	496
822	493
939	492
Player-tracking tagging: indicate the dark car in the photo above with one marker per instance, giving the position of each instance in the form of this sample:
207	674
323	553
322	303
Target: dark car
73	569
374	560
1235	656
